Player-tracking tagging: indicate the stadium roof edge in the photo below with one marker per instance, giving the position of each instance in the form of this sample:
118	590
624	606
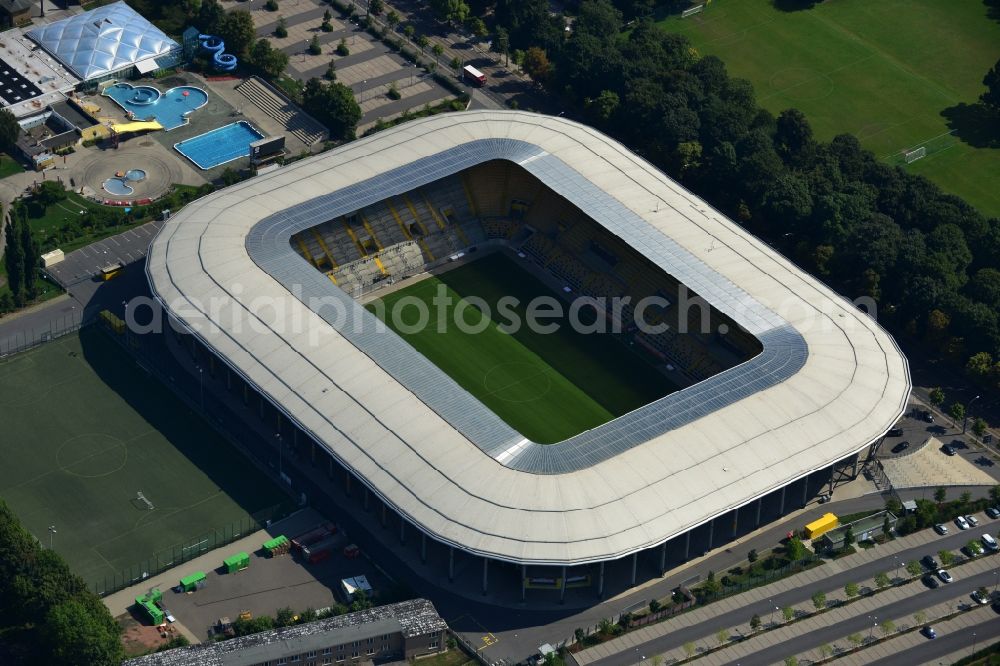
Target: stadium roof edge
849	386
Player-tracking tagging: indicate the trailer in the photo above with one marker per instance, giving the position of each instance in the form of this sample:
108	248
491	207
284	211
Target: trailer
473	75
314	535
193	582
351	551
320	551
237	562
149	604
279	545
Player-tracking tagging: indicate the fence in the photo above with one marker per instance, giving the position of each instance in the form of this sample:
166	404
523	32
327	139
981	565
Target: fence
189	549
21	341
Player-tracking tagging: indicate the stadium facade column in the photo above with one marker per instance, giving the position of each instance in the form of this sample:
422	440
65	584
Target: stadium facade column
365	501
486	571
347	488
260	407
781	507
663	558
329	469
402	530
524	580
635	566
451	564
857	458
736	522
600	581
229	378
687	545
383	514
562	587
832	469
211	365
312	451
423	548
711	534
805	490
246	394
760	503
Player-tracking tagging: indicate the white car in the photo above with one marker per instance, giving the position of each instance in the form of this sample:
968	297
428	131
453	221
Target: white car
944	576
941	529
962	523
971	520
989	542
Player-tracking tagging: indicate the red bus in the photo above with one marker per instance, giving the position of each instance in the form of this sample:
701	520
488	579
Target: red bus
473	75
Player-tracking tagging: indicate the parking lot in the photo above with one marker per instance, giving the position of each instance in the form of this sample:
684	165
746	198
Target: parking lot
269	583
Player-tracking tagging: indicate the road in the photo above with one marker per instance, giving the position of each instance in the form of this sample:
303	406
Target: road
987	631
859	574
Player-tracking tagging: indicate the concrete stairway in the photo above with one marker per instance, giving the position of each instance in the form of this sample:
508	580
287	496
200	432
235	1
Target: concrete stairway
299	125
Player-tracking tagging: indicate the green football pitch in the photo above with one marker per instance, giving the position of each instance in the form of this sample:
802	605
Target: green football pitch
548	386
84	429
893	72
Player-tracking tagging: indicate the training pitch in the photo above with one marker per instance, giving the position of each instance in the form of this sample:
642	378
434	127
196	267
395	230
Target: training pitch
548	386
84	430
897	74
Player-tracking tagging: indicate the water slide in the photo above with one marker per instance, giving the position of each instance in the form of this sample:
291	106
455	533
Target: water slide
136	126
223	62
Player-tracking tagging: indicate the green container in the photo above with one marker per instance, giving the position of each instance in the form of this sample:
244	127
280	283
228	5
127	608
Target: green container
278	544
236	562
190	583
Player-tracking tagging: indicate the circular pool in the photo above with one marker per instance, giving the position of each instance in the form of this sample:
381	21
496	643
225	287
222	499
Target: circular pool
135	175
144	95
117	187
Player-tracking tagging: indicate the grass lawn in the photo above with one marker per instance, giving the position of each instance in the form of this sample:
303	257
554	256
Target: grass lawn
895	73
9	166
547	386
84	430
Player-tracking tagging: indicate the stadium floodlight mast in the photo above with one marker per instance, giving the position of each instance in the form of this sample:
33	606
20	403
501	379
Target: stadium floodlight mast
52	531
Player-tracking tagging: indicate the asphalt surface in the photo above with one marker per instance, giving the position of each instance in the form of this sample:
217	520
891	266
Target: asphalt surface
863	574
987	631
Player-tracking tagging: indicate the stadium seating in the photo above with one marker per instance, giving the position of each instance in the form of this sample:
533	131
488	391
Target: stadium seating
500	202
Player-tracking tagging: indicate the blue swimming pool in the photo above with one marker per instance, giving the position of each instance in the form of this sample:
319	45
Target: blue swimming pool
169	108
221	145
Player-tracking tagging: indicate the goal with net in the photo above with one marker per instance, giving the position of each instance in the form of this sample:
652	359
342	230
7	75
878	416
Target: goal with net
142	502
691	11
914	155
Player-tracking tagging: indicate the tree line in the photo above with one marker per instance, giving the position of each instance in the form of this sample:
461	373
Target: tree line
927	258
22	261
47	613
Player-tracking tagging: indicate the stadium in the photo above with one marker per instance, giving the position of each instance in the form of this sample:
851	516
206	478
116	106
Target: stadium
562	458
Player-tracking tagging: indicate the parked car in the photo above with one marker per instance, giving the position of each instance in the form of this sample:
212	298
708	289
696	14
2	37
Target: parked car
941	529
990	542
902	446
945	576
931	581
972	520
948	450
981	599
993	512
929	632
962	523
929	562
895	432
928	417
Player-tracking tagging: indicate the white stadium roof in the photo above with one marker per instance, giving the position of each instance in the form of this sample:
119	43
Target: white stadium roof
103	40
829	382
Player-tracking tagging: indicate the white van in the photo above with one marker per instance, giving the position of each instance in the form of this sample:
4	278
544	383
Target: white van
989	542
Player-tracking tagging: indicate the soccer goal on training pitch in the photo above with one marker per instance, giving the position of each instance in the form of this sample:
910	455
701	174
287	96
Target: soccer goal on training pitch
141	502
914	155
691	11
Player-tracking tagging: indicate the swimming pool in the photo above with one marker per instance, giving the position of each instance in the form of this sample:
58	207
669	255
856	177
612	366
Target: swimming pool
221	145
169	108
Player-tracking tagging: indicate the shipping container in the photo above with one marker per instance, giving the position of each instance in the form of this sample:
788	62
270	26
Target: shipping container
237	562
191	583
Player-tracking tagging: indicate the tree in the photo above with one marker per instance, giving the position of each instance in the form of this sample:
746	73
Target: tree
788	613
501	43
965	497
946	557
887	527
979	427
210	16
848	537
855	639
957	411
271	5
76	634
307	616
269	60
940	494
14	260
281	30
754	622
409	31
9	130
423	42
819	600
995	493
314	47
376	7
238	31
752	555
478	27
654	605
393	19
851	590
793	136
342	49
451	11
333	105
331	71
795	549
711	585
991	98
326	26
437	50
882	580
936	396
974	548
887	627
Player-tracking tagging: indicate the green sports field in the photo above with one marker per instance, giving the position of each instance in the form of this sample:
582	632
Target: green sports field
84	429
547	386
892	72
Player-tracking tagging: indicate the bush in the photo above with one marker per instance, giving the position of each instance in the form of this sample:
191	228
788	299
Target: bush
271	5
393	91
314	47
342	49
281	30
